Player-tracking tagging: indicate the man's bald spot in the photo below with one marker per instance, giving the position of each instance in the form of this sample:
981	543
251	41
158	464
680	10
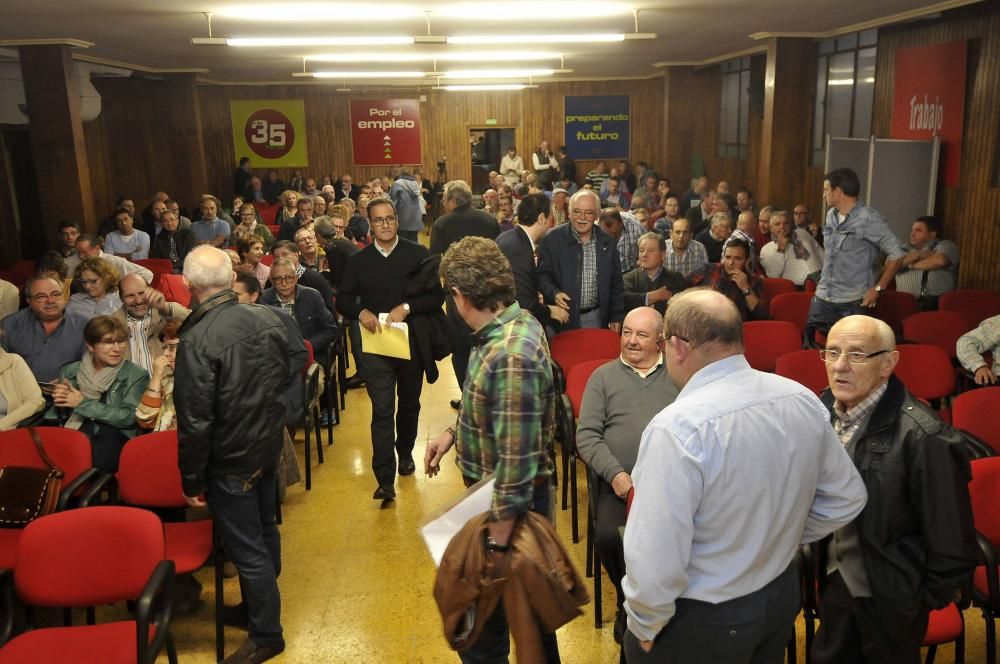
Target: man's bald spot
131	280
645	318
871	328
703	315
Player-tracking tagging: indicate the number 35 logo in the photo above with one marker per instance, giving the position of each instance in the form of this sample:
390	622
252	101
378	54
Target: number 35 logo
269	133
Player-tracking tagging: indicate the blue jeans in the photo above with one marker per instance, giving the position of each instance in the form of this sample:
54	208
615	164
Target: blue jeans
493	644
244	508
823	314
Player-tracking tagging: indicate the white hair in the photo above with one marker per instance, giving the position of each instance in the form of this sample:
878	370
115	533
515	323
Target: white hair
585	192
208	268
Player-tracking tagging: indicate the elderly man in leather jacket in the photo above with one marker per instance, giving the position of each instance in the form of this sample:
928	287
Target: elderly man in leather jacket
232	372
913	546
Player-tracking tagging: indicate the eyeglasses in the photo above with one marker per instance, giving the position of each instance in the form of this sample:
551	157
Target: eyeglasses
247	215
584	213
54	295
383	221
854	356
113	342
282	280
90	282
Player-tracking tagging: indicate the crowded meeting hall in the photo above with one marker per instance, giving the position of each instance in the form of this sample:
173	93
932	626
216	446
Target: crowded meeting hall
546	332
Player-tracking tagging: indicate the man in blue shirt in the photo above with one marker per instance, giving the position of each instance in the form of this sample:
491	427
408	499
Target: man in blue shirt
210	229
854	235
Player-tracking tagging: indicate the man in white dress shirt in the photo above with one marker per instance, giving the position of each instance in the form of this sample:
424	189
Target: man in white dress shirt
730	480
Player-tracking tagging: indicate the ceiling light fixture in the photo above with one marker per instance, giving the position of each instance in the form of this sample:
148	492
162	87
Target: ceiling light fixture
368	74
497	73
535	39
547	10
444	56
480	88
297	12
319	41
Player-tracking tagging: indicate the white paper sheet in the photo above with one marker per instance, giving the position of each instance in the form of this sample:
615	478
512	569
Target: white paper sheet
440	529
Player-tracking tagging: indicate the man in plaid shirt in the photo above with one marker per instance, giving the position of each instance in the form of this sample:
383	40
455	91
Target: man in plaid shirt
507	417
684	255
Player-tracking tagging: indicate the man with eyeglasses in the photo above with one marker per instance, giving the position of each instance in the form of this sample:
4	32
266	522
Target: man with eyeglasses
46	335
375	286
724	497
305	306
913	547
579	269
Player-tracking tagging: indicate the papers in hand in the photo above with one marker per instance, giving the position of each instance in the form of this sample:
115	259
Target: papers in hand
444	525
392	341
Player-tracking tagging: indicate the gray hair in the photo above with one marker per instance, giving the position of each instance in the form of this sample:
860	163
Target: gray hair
459	192
283	262
208	268
702	316
585	192
661	242
719	217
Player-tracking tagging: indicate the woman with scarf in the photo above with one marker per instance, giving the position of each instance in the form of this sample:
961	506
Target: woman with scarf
99	394
249	226
792	253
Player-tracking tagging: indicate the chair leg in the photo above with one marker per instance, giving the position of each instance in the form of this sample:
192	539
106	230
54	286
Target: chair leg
574	502
309	482
220	628
960	648
598	597
810	634
171	650
332	410
931	653
277	506
590	543
991	636
792	656
318	430
565	471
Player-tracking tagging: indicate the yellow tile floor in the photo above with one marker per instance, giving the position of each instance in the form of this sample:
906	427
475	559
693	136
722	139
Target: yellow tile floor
357	581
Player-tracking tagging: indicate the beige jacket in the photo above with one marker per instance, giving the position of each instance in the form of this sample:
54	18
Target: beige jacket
177	312
18	386
10	298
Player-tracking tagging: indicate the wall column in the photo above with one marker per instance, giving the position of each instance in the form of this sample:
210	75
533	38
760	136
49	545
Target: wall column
185	119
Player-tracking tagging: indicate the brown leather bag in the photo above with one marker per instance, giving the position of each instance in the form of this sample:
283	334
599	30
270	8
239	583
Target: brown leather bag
28	493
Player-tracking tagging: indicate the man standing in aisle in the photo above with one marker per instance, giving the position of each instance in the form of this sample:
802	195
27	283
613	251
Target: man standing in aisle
507	419
405	195
235	355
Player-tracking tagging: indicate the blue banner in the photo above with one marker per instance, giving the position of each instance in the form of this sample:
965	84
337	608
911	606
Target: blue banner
597	127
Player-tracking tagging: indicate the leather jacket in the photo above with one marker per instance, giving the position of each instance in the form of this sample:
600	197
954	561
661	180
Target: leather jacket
230	379
916	532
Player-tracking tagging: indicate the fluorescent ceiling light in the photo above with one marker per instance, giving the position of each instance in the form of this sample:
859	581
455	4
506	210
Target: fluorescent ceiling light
320	41
840	81
476	88
452	56
368	74
534	39
497	73
536	10
299	12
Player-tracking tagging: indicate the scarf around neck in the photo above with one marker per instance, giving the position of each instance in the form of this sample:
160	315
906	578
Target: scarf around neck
92	383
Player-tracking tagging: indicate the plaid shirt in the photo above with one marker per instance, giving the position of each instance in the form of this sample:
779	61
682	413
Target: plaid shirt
507	419
628	241
694	258
714	276
588	272
847	422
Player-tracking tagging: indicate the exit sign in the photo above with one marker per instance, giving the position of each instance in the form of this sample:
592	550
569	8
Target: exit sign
491	121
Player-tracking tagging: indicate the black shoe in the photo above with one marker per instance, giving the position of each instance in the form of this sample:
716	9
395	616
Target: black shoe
385	493
456	403
406	466
620	625
251	653
354	382
236	616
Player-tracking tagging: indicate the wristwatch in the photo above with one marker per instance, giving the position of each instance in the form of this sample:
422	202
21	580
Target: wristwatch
406	307
747	292
491	545
878	289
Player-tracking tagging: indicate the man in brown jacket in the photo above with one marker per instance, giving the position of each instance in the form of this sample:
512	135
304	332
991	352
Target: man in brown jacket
145	312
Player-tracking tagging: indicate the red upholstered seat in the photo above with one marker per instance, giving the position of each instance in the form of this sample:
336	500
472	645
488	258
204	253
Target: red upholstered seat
569	348
158	266
764	341
937	328
576	381
925	370
975	305
944	625
9	537
805	367
792	308
775	286
189	544
975	411
267	259
175	290
894	307
90	644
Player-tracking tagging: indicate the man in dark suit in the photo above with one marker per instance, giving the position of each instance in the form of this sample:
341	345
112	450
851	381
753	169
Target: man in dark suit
700	214
241	180
305	305
579	268
346	189
650	284
519	245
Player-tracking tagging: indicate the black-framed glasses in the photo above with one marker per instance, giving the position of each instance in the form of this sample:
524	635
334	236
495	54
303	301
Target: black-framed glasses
383	221
854	356
282	280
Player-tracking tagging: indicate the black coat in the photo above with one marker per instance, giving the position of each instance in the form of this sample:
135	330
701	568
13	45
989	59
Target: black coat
638	283
232	373
461	223
516	246
184	241
315	321
428	331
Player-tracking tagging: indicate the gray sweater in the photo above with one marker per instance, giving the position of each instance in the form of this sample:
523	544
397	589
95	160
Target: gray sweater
617	406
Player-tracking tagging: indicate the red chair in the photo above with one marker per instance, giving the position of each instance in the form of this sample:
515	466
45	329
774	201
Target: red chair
776	286
973	411
805	367
574	346
19	272
894	307
927	373
88	557
69	449
148	476
175	290
984	493
792	308
936	328
274	228
267	259
764	341
268	212
158	266
975	305
945	626
311	412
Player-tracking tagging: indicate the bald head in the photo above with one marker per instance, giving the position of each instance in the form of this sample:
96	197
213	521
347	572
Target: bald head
704	316
646	318
865	358
642	331
868	327
746	222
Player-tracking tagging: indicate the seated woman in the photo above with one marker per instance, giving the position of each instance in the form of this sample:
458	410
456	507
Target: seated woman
249	226
20	396
156	409
98	280
99	394
252	250
732	278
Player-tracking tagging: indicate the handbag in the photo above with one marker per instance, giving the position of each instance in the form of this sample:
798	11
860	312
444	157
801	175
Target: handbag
28	493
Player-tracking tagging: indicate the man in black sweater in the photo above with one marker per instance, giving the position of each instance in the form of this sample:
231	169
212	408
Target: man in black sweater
374	283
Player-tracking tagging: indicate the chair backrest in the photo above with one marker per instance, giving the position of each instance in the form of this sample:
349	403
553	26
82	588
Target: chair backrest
312	391
776	286
175	290
894	307
19	271
312	356
268	212
975	305
576	381
764	341
89	556
148	475
805	367
69	449
156	265
792	308
937	328
925	370
575	346
984	492
972	411
267	259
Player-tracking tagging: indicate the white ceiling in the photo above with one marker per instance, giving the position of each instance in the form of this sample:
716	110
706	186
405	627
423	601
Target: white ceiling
157	35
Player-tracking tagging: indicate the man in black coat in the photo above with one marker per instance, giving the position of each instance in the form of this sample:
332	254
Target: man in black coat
305	305
650	284
520	246
241	180
232	372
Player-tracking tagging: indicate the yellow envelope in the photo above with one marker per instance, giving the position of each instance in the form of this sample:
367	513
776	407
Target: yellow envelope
392	341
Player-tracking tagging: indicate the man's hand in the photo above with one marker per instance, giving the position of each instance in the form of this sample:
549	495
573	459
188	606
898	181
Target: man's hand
621	483
558	314
369	320
646	645
985	376
397	315
870	299
156	300
197	501
661	294
436	449
739	278
617	327
782	242
562	301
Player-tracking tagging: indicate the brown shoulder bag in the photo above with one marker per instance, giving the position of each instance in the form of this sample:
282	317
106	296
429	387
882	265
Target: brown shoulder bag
28	493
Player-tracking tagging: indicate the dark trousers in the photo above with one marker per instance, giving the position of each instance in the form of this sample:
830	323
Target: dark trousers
753	629
458	334
610	517
493	644
823	314
106	443
393	430
859	631
354	332
412	236
244	509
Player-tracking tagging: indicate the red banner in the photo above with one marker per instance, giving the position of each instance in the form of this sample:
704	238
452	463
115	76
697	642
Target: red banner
928	100
385	131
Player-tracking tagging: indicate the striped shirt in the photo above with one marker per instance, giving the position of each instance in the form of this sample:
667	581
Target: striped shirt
507	419
588	271
139	341
983	339
628	242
